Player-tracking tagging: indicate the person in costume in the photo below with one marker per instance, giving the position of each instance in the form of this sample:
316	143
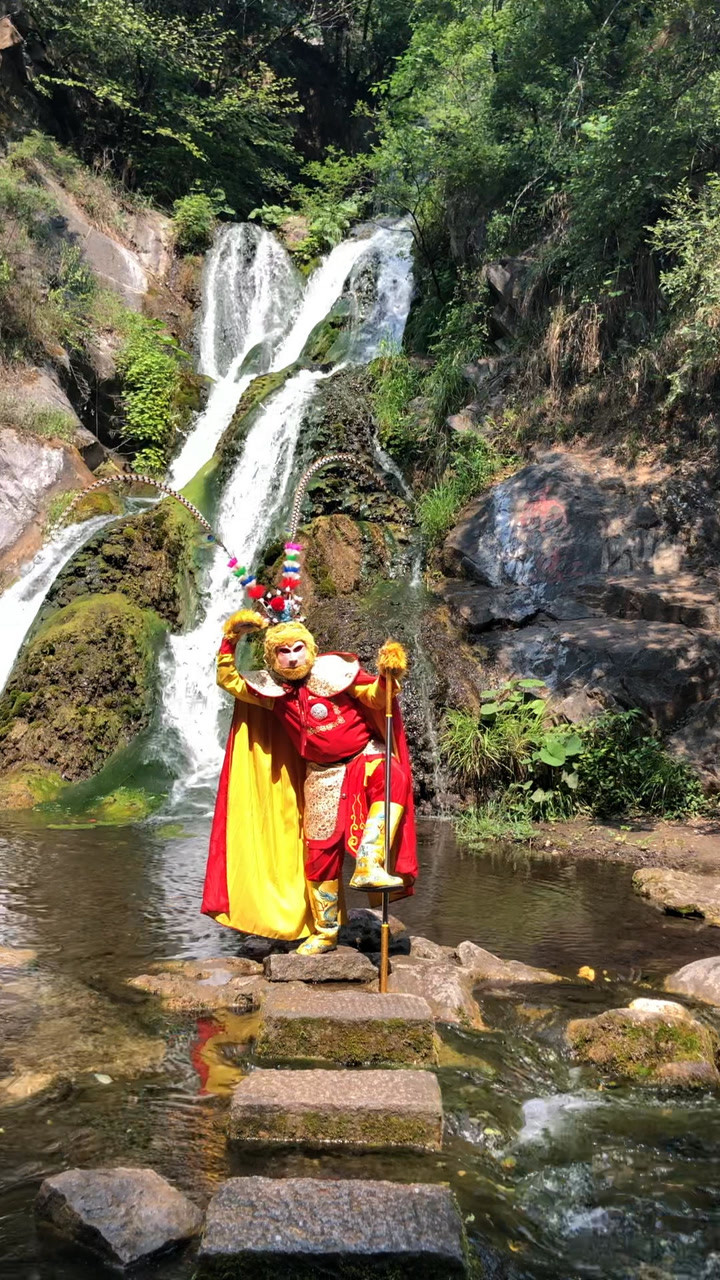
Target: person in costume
303	782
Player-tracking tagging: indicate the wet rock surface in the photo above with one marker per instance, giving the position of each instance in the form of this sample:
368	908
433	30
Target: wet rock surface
483	966
700	979
202	986
369	1109
680	893
348	1027
650	1042
446	987
343	965
576	573
127	1216
32	472
352	1228
363	927
56	1029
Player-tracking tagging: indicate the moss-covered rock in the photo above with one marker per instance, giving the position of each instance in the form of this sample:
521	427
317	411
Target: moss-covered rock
639	1043
328	342
28	784
82	689
122	806
251	402
150	558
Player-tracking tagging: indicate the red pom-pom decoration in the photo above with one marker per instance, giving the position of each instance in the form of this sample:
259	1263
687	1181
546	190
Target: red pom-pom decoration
289	580
277	603
257	592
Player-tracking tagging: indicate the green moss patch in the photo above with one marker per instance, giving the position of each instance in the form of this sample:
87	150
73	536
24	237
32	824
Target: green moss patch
249	405
82	688
637	1049
27	785
151	559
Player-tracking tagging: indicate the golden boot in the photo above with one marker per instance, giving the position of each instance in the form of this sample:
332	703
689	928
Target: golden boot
370	872
323	896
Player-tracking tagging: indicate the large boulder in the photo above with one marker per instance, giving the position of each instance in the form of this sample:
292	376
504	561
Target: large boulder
127	1216
650	1042
700	979
697	742
83	687
680	893
574	573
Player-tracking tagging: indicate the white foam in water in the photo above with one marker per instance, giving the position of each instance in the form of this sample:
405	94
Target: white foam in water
21	602
547	1116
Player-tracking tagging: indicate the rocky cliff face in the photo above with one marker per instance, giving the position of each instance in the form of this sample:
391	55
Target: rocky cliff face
586	575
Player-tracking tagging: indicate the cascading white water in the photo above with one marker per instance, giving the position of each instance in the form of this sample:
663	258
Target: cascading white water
256	496
22	601
251	293
249	508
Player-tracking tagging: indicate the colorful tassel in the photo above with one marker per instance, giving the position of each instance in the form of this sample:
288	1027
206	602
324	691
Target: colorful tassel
256	592
232	564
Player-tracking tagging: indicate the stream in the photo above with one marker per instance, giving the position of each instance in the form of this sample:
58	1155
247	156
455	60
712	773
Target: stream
555	1178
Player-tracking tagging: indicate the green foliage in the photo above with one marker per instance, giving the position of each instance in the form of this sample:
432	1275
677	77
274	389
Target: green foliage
472	465
153	369
172	93
688	238
522	767
337	197
496	819
562	128
195	218
625	770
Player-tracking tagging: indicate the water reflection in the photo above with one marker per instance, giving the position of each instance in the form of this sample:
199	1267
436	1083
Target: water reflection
116	897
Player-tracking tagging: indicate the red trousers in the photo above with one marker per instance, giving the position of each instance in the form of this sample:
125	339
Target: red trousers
323	858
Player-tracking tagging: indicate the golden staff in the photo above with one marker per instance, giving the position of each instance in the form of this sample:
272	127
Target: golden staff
385	926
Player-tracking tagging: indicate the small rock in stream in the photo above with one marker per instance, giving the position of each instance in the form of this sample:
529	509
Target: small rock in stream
680	893
700	979
484	966
127	1216
649	1042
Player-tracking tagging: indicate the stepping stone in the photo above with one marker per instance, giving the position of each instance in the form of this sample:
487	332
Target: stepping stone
348	1027
125	1215
343	965
370	1109
303	1228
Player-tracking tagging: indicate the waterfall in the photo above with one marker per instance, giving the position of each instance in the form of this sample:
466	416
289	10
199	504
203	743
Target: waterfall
256	497
22	601
251	292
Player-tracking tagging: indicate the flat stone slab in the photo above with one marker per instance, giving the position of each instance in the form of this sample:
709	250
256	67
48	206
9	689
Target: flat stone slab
369	1109
125	1215
302	1228
343	965
483	966
680	893
348	1027
201	986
